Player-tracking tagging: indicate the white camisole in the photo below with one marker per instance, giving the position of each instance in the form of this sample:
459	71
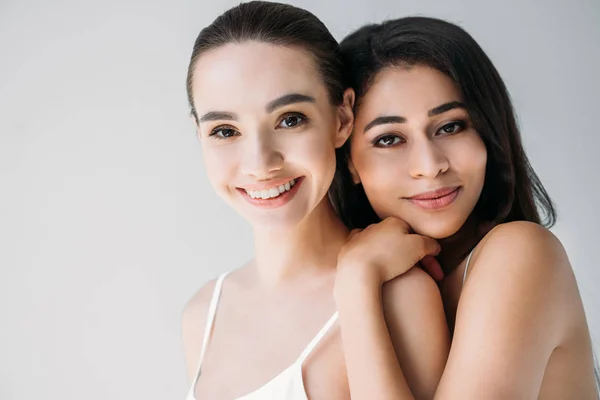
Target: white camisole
288	385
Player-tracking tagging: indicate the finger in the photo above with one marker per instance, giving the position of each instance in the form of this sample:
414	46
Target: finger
398	223
413	248
432	267
423	246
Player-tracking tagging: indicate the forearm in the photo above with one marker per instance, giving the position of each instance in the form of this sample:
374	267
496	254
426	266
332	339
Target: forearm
371	362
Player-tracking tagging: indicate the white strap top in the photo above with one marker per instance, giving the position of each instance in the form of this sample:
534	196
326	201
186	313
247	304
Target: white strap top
288	385
467	267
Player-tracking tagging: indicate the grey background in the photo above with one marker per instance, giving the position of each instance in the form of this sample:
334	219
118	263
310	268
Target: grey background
107	222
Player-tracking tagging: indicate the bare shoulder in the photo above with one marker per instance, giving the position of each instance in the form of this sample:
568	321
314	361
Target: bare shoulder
519	303
523	250
517	231
193	322
520	270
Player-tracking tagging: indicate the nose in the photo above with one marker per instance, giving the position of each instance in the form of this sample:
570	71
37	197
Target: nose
261	157
427	160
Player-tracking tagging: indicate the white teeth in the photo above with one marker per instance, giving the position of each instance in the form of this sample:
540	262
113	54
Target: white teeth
271	192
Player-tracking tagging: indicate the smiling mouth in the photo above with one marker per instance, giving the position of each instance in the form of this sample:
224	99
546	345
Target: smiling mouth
271	195
435	194
435	200
272	192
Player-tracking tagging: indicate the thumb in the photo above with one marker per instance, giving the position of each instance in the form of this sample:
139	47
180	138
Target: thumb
432	267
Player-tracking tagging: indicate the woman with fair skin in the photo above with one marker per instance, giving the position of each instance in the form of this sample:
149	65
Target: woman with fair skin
270	107
436	152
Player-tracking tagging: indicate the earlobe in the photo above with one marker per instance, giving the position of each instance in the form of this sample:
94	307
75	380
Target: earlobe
346	118
355	177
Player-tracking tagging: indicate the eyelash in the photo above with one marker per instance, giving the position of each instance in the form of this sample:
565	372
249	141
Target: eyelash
377	141
460	125
215	132
303	120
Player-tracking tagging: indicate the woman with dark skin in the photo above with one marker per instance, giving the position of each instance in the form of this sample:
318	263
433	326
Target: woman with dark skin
436	153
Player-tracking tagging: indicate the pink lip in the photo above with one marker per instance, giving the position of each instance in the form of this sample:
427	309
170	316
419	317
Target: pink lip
276	202
436	199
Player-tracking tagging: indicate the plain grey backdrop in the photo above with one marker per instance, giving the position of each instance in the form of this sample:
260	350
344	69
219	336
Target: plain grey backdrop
107	222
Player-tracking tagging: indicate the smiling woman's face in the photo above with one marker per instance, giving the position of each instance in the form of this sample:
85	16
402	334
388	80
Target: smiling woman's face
415	151
268	130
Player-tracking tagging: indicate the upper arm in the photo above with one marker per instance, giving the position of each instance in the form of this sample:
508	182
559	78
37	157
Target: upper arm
512	313
417	325
193	322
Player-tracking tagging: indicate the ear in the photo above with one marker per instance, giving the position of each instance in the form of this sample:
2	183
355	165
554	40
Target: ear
353	173
346	118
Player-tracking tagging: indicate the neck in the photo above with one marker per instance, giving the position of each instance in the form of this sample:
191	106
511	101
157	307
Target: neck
306	249
456	247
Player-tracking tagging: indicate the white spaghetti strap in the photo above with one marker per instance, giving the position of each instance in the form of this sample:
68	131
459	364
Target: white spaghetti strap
467	267
210	319
313	343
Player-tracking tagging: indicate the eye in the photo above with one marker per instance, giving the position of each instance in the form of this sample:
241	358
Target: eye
292	120
223	132
452	128
388	141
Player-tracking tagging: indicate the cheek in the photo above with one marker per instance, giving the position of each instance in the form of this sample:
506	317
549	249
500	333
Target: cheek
380	173
219	163
311	151
469	159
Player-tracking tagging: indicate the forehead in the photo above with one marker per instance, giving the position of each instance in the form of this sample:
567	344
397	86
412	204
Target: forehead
246	76
406	90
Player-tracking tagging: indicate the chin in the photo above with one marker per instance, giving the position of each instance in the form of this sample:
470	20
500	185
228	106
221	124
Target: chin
437	228
273	221
286	218
437	233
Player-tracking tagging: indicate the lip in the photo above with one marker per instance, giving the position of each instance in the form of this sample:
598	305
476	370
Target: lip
276	202
436	199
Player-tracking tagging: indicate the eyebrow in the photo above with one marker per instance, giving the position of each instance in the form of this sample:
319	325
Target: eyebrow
218	115
446	107
397	119
390	119
288	99
273	105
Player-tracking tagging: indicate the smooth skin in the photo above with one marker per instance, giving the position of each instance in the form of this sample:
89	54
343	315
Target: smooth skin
519	327
252	132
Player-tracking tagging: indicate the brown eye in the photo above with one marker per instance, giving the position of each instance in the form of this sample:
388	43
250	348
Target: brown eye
387	141
292	120
223	133
451	128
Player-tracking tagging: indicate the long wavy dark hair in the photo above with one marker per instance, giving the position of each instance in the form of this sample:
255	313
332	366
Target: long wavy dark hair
512	191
